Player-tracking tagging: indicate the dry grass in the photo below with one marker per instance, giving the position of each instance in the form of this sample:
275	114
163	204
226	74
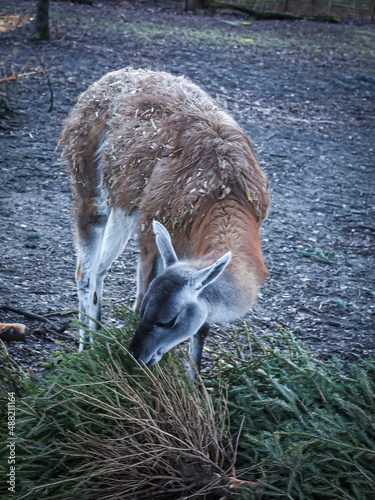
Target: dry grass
174	442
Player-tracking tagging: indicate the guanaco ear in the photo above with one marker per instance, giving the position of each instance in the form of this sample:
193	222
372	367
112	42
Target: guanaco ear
209	274
164	243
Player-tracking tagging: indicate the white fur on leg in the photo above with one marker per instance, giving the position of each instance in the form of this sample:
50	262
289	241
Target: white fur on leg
116	234
118	230
88	259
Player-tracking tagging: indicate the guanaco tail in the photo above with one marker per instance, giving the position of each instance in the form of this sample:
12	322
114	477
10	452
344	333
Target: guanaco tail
152	154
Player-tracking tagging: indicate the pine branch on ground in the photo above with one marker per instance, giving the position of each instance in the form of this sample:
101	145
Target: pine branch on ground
309	423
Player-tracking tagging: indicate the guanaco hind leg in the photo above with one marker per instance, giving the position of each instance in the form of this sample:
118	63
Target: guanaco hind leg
95	256
88	249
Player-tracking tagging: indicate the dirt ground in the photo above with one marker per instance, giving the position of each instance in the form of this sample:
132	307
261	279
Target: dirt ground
303	91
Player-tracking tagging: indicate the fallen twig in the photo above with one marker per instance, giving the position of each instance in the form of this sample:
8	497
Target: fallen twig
16	76
36	316
256	14
240	483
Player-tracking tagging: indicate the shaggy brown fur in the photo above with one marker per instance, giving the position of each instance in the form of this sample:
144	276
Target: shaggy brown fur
172	154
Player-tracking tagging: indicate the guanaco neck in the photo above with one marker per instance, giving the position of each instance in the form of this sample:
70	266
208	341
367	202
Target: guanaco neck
229	225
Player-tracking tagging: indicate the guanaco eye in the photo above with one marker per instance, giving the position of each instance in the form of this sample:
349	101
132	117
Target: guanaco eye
168	324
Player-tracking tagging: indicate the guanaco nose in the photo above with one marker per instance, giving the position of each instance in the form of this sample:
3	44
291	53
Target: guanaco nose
139	341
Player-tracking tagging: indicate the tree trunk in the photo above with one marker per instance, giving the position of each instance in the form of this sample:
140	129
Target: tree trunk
42	21
197	4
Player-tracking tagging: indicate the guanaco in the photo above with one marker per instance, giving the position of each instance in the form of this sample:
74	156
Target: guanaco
154	155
